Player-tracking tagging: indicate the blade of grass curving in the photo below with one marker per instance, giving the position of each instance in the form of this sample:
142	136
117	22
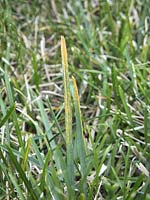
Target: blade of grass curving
68	117
79	131
8	114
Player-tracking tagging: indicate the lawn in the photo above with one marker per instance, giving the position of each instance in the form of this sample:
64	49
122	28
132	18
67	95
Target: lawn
75	99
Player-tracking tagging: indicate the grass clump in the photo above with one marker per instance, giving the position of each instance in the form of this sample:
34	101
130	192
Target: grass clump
85	137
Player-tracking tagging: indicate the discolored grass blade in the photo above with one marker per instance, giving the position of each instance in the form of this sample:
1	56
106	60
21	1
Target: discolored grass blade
68	117
79	133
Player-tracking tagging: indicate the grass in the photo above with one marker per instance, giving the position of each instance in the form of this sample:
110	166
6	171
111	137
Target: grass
74	100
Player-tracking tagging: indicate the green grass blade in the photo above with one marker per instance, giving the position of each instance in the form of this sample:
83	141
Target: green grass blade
46	176
4	112
26	153
56	121
110	59
60	164
37	152
12	102
18	189
42	177
117	178
36	77
123	98
115	86
4	168
8	114
22	174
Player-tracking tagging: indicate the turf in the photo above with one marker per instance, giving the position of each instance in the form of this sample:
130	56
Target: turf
74	99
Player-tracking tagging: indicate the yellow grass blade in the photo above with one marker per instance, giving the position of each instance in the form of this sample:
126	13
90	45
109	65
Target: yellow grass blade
79	134
67	95
68	119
